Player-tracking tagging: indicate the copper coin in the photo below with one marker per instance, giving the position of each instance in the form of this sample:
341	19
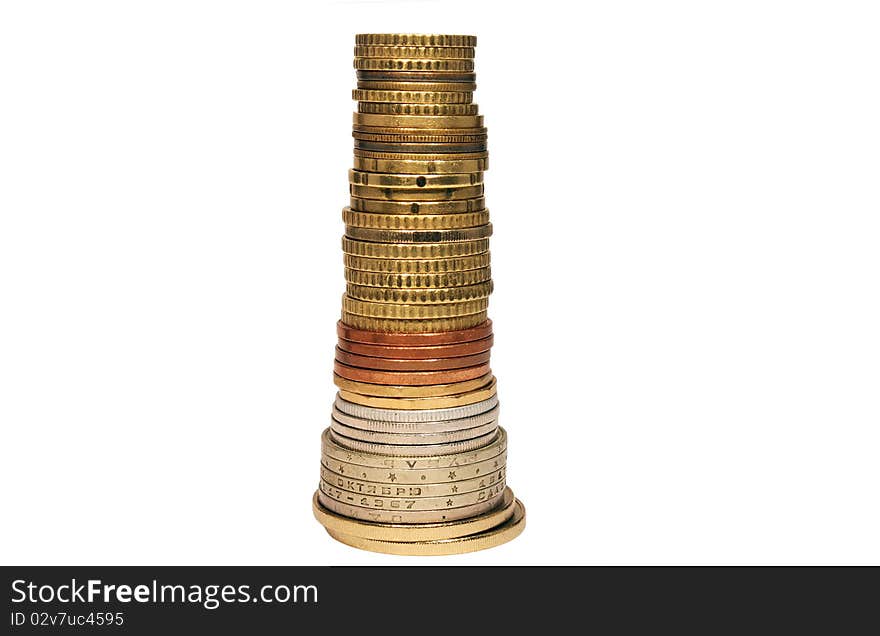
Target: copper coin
478	332
417	353
411	378
423	364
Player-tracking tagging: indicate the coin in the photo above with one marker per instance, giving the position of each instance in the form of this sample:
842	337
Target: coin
415	266
404	364
414	39
414	439
386	108
477	204
427	415
400	473
416	76
407	450
418	281
433	137
414	64
398	131
391	489
416	296
417	96
498	535
419	251
421	194
422	222
445	149
407	403
417	87
452	387
444	337
428	167
406	516
437	426
413	504
419	156
443	377
416	121
417	352
385	325
414	181
413	311
359	530
406	51
375	235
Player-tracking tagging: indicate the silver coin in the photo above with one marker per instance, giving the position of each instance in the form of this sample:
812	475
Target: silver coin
421	415
445	437
414	450
442	426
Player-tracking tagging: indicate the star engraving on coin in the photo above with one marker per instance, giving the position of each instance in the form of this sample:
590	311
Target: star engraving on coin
392	477
452	474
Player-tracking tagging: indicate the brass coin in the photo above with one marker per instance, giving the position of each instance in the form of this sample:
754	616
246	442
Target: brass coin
414	181
385	108
397	326
421	166
413	391
403	311
416	121
418	207
406	516
420	156
419	296
418	281
414	39
414	267
420	403
418	96
421	222
419	251
420	194
414	533
416	87
427	77
388	504
401	51
398	131
483	540
417	138
414	64
418	236
430	148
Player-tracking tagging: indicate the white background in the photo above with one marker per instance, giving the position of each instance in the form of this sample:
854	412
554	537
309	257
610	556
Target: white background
685	198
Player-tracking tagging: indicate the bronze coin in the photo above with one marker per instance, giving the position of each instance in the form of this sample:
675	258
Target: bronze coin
477	332
403	364
411	378
417	353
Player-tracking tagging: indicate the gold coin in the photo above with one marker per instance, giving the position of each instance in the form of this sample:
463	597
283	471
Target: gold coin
416	121
420	156
418	281
427	167
407	516
427	390
413	268
393	489
420	149
499	535
410	52
419	251
420	194
400	311
419	138
435	295
388	461
432	77
418	207
382	108
384	325
414	64
408	450
418	236
415	404
413	96
414	221
414	181
424	504
421	532
399	131
414	39
416	87
400	473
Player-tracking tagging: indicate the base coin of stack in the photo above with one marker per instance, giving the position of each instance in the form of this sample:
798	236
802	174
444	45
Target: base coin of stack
414	461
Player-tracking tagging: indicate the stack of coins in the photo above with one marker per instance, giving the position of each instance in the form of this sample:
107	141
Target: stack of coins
414	461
